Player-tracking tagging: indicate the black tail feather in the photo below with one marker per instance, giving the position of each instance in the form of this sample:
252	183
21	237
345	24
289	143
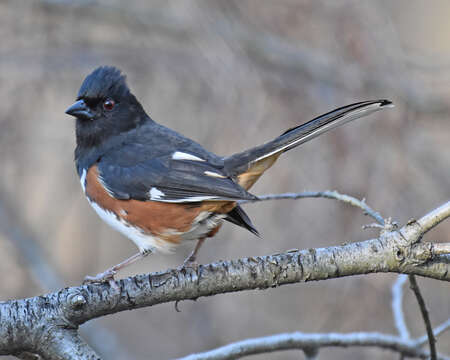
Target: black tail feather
238	217
239	163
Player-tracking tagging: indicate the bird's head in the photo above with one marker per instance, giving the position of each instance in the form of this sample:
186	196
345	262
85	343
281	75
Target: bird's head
105	107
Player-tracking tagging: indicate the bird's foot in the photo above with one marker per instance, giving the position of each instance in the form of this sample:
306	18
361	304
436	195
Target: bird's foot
189	263
106	276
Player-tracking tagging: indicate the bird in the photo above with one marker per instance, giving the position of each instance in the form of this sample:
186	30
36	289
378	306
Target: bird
160	188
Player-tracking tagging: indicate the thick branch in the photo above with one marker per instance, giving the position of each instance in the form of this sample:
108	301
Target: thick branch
370	256
24	321
302	341
434	217
67	345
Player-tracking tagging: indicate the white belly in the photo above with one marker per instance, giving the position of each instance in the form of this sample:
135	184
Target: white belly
144	241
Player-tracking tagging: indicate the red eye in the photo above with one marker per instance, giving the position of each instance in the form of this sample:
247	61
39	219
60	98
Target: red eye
108	104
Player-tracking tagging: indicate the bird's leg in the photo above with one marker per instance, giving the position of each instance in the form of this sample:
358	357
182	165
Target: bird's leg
108	275
190	260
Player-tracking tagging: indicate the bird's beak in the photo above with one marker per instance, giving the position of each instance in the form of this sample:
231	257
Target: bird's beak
80	110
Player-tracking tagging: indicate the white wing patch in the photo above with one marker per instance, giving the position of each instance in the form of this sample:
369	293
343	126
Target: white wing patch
155	194
192	199
83	180
158	195
179	155
214	174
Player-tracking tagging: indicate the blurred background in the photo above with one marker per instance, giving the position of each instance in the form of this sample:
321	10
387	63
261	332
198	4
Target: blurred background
230	75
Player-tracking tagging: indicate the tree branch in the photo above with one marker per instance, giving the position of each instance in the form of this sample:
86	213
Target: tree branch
397	307
441	249
417	229
426	318
24	321
302	341
437	331
324	194
66	344
434	217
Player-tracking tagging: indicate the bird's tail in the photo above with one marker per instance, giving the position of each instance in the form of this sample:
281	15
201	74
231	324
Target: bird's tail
249	165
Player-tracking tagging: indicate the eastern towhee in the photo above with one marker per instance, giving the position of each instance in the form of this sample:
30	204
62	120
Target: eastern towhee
160	188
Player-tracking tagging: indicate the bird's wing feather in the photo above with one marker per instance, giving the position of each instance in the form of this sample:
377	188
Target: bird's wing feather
177	176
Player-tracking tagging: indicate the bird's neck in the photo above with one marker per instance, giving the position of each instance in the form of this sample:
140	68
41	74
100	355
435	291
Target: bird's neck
92	146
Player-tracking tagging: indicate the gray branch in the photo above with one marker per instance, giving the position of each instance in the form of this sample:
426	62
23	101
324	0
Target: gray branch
324	194
303	341
434	217
425	316
34	325
56	316
397	307
66	344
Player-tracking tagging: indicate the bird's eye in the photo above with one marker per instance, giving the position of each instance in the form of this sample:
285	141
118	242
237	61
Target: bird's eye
108	104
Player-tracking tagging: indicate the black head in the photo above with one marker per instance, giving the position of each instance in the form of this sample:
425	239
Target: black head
105	107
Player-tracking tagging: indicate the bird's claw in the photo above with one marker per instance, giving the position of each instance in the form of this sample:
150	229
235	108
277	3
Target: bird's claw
106	276
189	263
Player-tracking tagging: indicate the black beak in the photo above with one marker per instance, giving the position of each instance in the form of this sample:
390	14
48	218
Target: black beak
80	110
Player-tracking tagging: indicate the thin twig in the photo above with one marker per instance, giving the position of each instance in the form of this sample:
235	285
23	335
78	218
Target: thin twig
317	341
300	340
327	195
397	306
426	318
438	330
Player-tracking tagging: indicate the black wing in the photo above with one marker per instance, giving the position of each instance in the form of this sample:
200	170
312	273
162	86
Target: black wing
178	176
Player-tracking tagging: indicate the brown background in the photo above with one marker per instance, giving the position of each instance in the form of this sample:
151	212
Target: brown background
233	74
